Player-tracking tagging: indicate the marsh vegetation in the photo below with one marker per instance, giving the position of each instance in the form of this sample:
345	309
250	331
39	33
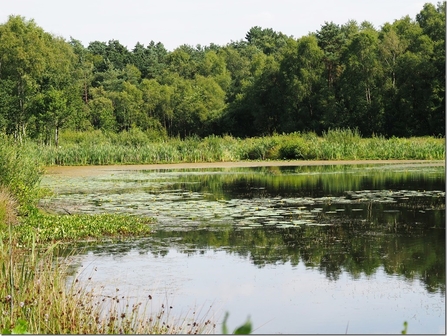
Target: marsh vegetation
373	232
290	215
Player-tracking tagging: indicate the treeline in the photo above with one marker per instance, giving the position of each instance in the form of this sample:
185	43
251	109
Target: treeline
388	82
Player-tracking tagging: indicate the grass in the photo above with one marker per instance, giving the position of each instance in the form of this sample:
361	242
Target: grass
21	169
96	148
35	294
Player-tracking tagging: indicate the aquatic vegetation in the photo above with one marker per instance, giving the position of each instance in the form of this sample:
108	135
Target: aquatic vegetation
290	214
194	197
46	228
35	299
106	149
244	329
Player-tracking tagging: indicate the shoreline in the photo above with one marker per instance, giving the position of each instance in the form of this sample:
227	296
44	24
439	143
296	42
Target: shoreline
93	170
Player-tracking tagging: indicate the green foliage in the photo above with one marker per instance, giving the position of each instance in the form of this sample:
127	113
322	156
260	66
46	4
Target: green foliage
20	328
244	329
37	63
404	331
20	172
135	146
46	228
387	82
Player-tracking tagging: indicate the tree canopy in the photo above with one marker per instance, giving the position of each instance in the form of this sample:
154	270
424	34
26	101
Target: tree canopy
388	81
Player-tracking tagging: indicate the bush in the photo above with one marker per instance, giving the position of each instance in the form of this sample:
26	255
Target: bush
20	172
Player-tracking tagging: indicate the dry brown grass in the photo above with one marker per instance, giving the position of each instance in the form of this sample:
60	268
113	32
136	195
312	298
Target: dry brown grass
8	208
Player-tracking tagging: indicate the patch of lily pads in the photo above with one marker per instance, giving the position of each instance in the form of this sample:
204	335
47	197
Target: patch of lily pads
176	202
192	208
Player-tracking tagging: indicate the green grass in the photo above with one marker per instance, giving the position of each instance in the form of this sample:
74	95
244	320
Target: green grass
21	169
47	228
96	148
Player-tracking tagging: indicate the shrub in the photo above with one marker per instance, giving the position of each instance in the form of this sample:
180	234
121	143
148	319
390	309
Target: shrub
20	172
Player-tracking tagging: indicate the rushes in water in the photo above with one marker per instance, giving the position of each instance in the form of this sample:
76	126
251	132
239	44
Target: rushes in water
336	144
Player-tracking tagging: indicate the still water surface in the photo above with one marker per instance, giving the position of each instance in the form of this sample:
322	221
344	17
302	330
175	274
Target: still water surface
322	249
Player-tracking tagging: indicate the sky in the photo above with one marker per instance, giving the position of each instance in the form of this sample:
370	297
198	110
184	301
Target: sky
193	22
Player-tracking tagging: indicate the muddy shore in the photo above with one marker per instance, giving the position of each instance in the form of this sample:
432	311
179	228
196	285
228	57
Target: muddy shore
99	170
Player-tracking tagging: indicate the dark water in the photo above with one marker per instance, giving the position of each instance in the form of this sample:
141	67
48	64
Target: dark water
333	249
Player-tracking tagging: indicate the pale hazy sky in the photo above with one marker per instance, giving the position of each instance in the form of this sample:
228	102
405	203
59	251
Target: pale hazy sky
177	22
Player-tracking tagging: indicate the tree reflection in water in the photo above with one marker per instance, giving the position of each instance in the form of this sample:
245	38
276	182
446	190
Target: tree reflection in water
377	218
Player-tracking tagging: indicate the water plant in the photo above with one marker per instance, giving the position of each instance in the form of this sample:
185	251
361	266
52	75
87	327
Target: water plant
404	331
244	329
46	228
38	301
337	144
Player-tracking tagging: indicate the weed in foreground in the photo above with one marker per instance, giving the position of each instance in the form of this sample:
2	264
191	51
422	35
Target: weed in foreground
38	298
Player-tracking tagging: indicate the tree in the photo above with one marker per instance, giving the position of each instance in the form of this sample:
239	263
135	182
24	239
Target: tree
185	60
157	103
391	48
151	61
302	73
432	21
210	104
127	105
418	103
7	104
56	110
331	40
213	65
84	67
267	40
37	63
238	63
361	86
23	60
102	111
197	104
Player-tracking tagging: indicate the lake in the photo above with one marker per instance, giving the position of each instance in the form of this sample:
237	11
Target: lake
300	249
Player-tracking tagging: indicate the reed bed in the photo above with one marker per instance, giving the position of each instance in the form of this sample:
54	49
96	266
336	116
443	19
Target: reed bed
102	149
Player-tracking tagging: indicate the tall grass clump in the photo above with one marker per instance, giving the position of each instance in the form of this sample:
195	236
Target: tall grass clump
339	144
217	149
296	146
21	170
40	291
137	147
258	148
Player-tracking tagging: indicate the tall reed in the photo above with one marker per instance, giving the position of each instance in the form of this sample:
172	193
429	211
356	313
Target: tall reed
97	148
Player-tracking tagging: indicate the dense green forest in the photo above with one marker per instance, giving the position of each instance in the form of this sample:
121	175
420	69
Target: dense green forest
388	81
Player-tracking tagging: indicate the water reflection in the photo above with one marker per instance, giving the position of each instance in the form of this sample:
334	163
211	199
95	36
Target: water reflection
359	248
355	221
334	218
